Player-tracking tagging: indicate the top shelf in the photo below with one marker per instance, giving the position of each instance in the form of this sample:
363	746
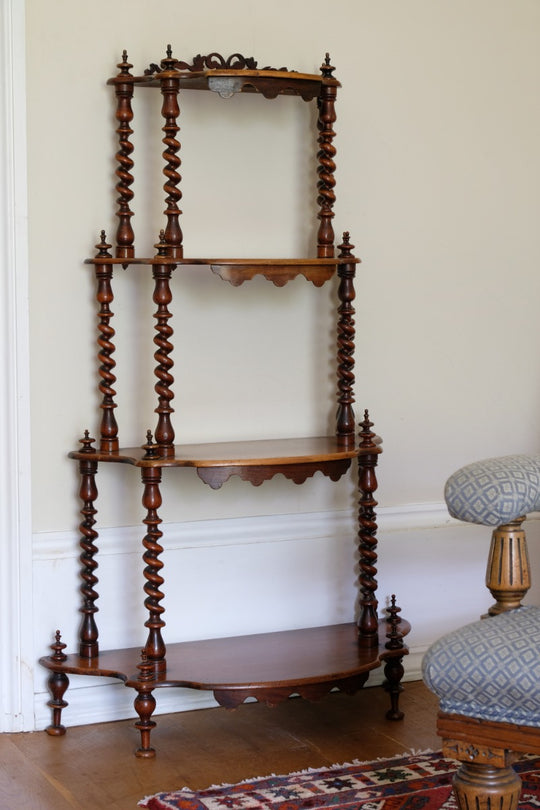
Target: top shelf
226	77
236	271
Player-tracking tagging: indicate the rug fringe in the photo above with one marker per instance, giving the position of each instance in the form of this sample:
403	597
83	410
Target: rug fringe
412	752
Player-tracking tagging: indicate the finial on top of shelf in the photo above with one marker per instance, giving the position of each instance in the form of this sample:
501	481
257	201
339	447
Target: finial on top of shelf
346	247
169	63
103	246
161	246
87	443
366	434
150	449
124	65
394	636
145	667
58	648
326	68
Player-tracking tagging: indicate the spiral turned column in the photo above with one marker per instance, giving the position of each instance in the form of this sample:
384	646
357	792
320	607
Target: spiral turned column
124	115
88	632
155	646
346	426
326	154
367	461
104	297
170	86
162	298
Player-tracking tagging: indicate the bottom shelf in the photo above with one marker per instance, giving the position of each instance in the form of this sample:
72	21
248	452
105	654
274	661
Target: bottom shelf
267	666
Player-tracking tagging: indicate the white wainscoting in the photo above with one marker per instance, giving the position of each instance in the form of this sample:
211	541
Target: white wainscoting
257	574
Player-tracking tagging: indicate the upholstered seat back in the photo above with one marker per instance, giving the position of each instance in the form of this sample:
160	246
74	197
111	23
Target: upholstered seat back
495	491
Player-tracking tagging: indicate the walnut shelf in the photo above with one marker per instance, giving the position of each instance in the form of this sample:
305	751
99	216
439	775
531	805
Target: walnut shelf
236	271
269	666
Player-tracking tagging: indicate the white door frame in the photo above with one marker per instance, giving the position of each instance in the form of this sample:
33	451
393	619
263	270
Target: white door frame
16	660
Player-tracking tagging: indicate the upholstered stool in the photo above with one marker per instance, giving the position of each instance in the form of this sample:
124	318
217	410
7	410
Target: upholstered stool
487	674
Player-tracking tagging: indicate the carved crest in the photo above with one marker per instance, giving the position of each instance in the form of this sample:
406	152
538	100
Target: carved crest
213	61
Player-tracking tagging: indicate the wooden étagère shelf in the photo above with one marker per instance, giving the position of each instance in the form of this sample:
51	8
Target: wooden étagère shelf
269	666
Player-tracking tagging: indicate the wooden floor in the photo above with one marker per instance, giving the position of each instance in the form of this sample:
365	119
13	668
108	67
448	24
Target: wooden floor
93	767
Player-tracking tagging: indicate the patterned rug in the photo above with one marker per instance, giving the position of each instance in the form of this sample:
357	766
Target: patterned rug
416	782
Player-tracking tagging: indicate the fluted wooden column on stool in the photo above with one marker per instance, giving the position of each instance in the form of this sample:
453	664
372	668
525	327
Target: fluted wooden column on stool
508	570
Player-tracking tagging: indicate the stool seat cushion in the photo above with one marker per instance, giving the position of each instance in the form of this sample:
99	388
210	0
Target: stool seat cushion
489	669
495	491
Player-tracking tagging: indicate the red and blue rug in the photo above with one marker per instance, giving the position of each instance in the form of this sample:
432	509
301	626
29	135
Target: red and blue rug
417	782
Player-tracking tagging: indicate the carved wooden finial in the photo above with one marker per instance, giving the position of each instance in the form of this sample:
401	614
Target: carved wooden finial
161	246
151	450
103	247
87	442
124	65
395	638
346	247
326	68
57	648
366	434
145	667
169	62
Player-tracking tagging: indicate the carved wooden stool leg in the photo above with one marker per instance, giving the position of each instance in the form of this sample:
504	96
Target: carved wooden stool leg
484	787
58	683
507	573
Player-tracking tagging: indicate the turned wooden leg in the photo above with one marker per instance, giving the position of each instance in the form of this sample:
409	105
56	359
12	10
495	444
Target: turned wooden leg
144	704
393	672
484	787
507	574
58	683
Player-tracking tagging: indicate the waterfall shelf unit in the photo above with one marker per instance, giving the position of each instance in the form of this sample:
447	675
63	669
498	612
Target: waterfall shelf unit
272	666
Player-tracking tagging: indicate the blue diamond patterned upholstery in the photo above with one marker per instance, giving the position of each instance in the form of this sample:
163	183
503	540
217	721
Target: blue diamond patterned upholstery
495	491
489	669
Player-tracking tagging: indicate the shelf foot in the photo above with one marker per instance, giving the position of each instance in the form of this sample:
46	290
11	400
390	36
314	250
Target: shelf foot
57	683
144	704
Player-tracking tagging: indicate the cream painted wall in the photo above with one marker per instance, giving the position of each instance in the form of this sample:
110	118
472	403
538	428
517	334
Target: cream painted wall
438	181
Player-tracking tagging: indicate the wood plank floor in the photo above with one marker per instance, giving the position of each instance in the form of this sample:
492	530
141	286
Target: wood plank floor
93	767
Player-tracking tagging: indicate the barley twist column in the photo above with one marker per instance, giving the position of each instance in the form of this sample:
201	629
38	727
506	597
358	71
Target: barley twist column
104	296
367	460
170	86
327	152
155	646
123	84
163	297
88	632
346	426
